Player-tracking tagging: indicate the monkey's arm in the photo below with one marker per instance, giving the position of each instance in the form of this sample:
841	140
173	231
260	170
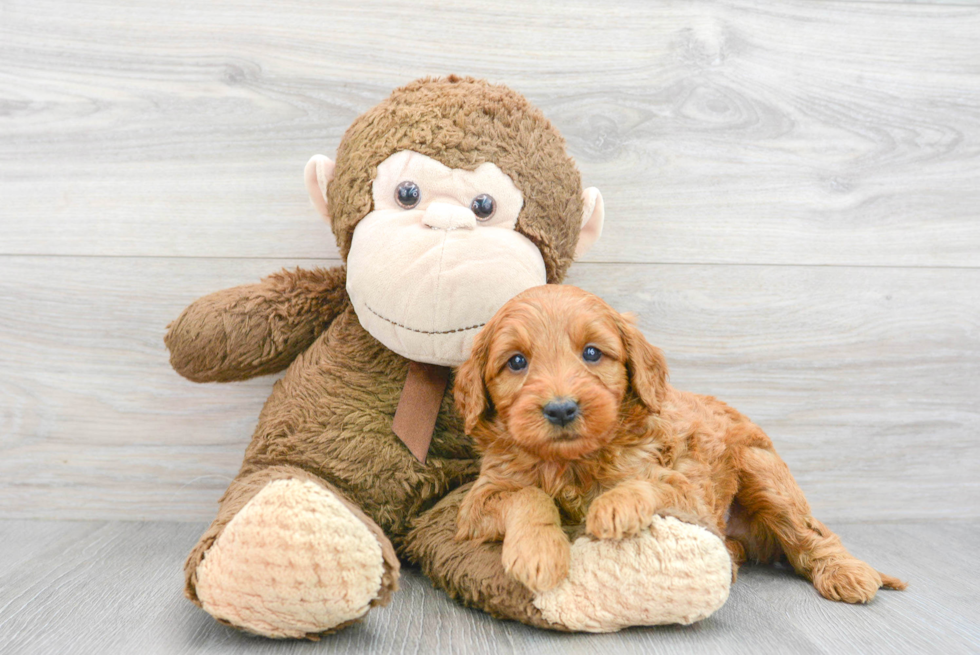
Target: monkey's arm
255	329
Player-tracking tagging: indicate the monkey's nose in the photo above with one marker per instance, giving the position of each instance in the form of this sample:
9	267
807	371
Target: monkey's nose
444	216
561	411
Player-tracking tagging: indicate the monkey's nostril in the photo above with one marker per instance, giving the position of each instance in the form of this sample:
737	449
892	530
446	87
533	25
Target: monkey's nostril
561	411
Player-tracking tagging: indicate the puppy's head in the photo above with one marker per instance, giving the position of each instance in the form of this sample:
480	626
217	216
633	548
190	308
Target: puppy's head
557	373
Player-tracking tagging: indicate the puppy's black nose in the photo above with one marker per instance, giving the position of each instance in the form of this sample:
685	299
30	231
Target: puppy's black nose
560	411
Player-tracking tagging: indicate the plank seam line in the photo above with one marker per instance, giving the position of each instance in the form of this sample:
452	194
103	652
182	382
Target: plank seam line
336	260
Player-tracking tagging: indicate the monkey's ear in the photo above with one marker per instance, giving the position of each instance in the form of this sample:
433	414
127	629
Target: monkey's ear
318	173
593	214
469	390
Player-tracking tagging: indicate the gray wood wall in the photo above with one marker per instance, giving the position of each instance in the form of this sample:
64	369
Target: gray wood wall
792	194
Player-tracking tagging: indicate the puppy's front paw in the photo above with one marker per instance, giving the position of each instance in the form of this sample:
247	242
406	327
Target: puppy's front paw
616	514
475	526
466	529
538	559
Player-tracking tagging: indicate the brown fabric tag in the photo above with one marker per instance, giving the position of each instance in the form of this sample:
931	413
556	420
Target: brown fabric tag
418	406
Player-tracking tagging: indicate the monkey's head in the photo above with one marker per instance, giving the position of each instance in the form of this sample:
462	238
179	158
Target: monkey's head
448	199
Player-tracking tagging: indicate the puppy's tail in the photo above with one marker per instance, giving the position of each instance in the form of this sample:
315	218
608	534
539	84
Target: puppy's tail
888	582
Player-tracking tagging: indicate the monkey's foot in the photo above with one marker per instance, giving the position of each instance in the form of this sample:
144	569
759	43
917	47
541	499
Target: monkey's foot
674	572
295	561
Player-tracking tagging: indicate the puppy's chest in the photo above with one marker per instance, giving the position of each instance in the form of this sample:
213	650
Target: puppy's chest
573	493
575	485
574	505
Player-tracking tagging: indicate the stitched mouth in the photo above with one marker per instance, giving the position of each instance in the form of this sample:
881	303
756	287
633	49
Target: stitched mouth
411	329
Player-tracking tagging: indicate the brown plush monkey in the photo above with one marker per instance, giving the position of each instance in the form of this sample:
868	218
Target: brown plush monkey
447	199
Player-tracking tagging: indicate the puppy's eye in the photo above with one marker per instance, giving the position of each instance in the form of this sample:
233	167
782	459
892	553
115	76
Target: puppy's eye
517	363
408	194
591	354
483	206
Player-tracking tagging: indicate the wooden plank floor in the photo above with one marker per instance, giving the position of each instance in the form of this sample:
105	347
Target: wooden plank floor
115	587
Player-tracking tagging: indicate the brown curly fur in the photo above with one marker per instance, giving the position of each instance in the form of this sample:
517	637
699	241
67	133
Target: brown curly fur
329	418
638	448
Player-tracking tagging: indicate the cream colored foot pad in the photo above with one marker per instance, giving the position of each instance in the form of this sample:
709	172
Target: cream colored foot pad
676	573
293	561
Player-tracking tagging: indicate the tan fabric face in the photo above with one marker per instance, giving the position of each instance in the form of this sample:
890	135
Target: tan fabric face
424	280
441	184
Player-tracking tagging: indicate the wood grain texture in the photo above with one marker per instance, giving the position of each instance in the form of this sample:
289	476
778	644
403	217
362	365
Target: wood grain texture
866	378
115	587
725	132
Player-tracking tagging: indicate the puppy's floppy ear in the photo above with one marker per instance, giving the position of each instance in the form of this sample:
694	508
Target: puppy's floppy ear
469	390
645	364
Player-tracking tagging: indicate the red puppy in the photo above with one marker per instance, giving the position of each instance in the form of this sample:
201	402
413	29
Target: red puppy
571	409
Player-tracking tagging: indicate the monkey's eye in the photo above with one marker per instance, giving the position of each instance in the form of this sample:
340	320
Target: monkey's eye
591	354
408	194
517	363
483	206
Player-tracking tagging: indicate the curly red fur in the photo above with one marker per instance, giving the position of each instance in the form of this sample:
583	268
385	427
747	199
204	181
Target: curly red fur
637	449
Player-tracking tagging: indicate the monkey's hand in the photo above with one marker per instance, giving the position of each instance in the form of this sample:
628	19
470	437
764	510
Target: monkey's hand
255	329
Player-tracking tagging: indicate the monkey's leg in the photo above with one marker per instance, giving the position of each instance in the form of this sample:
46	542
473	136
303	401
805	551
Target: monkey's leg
289	556
674	573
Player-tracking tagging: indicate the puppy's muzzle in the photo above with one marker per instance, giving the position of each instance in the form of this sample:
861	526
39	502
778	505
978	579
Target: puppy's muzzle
561	411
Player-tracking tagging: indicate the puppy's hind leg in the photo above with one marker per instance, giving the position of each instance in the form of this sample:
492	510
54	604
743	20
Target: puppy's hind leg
737	552
779	510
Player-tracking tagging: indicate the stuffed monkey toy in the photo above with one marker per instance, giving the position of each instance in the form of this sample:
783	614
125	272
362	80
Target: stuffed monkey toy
446	200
